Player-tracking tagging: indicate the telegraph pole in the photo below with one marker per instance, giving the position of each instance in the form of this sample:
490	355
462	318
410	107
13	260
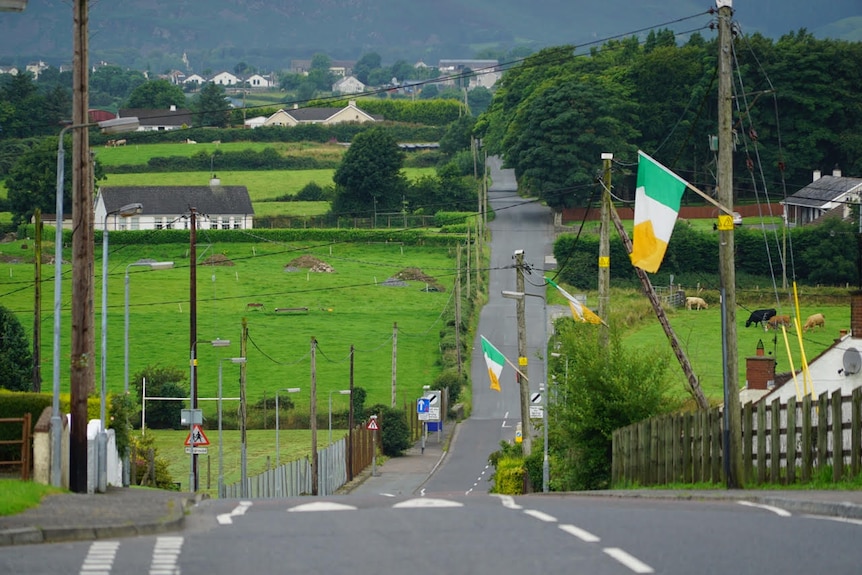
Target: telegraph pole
350	423
312	410
37	315
82	377
605	251
394	358
193	330
458	307
526	426
243	409
733	428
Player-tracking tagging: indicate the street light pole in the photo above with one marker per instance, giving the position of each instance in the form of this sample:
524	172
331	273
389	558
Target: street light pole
340	392
152	266
193	483
220	436
108	126
102	438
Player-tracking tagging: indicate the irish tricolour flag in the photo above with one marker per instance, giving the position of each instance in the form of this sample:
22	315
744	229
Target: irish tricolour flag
657	198
495	361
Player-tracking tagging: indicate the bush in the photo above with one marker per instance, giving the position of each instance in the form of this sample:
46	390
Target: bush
141	446
453	382
394	429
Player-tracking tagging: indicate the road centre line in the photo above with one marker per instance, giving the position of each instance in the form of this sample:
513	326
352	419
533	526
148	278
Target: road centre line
581	534
627	560
540	515
508	501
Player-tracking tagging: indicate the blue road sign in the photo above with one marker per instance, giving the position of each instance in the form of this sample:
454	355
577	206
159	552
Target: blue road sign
423	405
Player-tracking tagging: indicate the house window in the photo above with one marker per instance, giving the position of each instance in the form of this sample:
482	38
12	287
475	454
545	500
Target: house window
237	224
214	224
225	223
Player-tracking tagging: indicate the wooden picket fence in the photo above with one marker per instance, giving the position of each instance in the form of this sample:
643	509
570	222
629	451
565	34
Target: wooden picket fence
781	443
22	448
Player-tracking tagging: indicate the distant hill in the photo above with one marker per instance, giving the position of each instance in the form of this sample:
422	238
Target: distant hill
267	34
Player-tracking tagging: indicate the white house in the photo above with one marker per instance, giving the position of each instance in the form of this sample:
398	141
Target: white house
823	194
329	116
258	81
348	85
255	122
167	207
158	120
225	79
11	70
194	79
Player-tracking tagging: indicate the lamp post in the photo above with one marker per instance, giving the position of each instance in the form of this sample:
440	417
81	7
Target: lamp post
193	478
152	266
109	127
340	392
236	360
102	439
546	471
277	426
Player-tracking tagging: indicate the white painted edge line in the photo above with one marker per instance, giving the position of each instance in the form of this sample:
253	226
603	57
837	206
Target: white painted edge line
627	560
508	501
777	510
540	515
581	534
836	519
240	509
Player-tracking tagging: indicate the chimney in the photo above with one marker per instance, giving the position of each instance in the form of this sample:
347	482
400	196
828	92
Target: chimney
173	107
759	372
351	103
815	176
836	171
856	314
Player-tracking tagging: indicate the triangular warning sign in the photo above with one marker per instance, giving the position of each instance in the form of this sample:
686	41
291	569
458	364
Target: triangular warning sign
199	435
372	424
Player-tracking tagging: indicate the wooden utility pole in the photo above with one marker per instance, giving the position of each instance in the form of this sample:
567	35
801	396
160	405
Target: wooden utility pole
37	306
350	423
193	328
523	378
83	341
243	408
605	251
312	410
733	428
394	359
458	308
693	384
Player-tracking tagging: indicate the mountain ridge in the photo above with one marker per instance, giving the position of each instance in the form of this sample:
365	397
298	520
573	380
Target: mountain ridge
266	34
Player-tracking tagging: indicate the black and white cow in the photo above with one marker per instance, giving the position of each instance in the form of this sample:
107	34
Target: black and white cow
759	316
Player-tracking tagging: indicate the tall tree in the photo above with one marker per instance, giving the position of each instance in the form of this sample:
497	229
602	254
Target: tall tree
157	95
365	65
369	179
212	107
16	360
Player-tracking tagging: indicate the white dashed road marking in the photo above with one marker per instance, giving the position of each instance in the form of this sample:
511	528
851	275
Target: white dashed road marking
100	558
581	534
627	560
321	506
166	555
541	516
426	502
508	502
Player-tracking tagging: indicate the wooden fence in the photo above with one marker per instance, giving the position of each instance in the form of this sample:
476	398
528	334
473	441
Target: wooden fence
24	460
781	443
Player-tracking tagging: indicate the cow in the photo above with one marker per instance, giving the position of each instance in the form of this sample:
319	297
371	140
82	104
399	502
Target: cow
696	303
815	320
188	141
759	316
778	320
119	143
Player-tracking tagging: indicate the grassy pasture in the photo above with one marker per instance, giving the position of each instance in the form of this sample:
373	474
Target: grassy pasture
139	154
347	307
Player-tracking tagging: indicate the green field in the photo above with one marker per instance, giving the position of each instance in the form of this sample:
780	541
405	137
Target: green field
346	308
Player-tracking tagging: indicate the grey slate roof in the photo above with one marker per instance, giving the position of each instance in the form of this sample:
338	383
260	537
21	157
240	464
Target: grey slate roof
210	200
822	191
150	117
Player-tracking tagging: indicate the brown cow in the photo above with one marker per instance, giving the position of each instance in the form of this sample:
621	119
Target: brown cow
777	320
814	320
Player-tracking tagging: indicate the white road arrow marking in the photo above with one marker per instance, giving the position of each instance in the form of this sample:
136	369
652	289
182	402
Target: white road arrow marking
227	518
777	510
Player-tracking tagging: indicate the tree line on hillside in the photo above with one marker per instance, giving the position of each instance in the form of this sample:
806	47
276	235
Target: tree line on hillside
555	114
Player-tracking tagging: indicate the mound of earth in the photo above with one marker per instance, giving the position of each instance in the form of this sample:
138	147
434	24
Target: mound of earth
413	275
217	260
309	263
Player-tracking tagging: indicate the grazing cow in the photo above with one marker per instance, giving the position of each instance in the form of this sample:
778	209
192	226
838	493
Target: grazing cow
217	143
110	143
815	320
119	143
188	141
696	303
759	316
778	320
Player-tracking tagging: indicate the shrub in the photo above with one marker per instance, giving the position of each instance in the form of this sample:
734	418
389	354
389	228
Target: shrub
394	429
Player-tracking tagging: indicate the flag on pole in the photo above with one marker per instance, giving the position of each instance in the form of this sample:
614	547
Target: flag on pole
657	199
579	311
495	361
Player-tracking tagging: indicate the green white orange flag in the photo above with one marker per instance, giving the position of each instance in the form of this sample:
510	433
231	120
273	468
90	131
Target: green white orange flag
579	311
657	197
495	361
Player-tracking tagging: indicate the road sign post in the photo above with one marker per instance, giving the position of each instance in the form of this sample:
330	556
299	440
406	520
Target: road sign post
372	425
